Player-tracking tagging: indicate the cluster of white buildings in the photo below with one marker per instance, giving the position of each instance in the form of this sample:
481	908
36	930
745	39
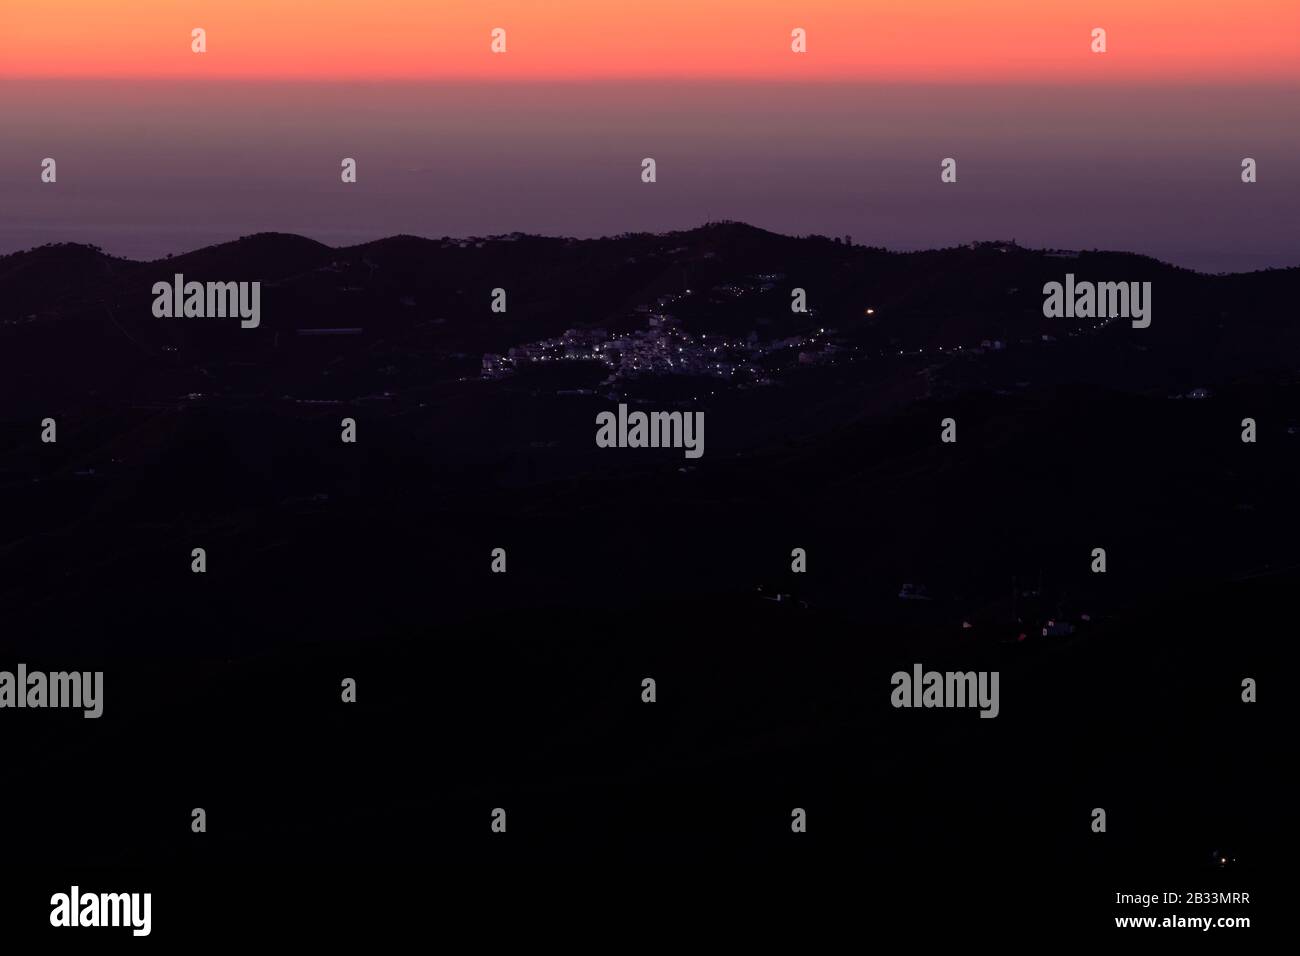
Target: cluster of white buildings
663	348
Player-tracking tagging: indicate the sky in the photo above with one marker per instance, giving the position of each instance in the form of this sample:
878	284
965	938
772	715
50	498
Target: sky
162	150
898	40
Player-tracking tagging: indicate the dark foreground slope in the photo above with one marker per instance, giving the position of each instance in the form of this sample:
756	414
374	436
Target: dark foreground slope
480	690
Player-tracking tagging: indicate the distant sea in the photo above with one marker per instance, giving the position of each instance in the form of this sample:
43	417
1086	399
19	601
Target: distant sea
151	168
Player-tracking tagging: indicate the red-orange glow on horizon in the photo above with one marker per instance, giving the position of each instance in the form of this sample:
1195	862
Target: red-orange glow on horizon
893	40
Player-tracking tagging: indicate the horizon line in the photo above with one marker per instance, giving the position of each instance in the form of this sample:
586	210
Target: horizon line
632	233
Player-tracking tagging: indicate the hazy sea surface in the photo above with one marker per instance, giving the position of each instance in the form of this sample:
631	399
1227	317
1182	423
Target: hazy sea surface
150	168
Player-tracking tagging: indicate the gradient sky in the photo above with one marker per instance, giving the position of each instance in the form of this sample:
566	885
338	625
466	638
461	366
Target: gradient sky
903	40
161	150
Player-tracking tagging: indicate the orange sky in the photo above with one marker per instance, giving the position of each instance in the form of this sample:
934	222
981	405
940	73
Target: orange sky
907	40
